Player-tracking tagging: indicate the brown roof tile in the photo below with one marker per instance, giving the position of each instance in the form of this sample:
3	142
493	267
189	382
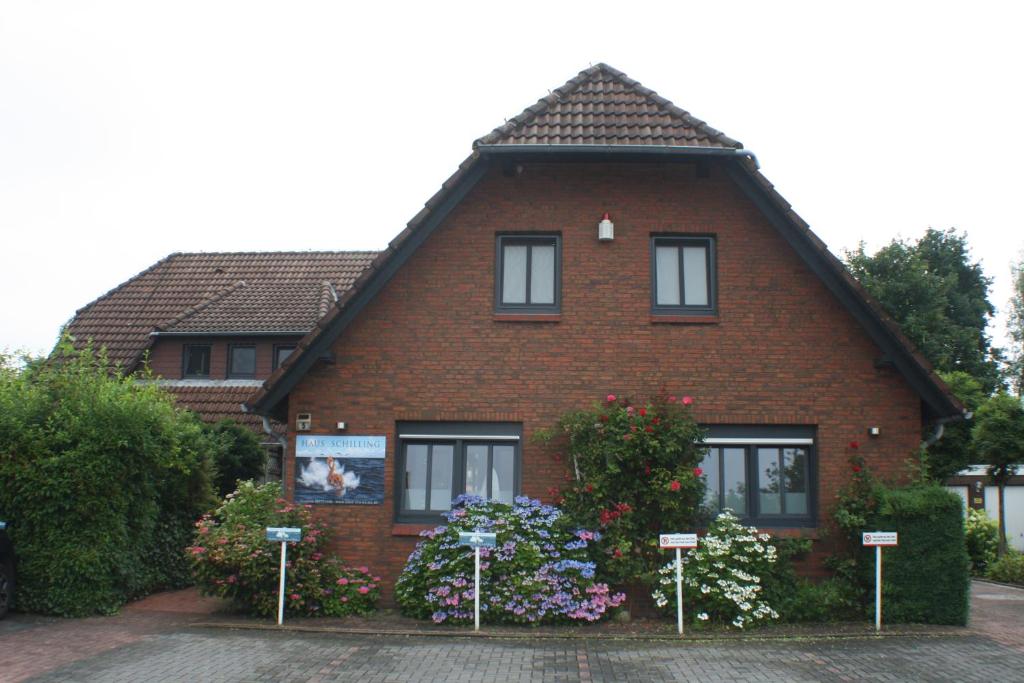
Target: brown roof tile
603	106
215	403
199	292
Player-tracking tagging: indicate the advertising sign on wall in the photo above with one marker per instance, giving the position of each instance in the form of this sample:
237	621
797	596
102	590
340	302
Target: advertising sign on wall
339	469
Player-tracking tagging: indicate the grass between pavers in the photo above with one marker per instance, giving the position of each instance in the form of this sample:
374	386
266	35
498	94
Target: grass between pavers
389	624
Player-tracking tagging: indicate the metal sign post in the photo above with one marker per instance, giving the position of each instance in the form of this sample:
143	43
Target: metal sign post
879	539
285	535
678	541
477	540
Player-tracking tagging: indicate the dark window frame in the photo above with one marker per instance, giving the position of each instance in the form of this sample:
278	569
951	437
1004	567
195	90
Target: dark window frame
457	435
779	437
527	239
709	242
279	347
186	353
231	374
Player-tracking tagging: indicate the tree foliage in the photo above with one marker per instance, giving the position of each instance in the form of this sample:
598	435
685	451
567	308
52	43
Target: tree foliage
1015	367
238	456
102	479
938	296
952	452
999	442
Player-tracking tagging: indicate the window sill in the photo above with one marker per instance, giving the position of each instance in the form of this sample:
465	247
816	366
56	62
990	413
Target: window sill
527	317
684	319
411	528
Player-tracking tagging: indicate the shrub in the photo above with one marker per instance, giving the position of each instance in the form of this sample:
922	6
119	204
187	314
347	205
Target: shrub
834	599
722	577
633	471
1009	568
926	577
238	457
982	535
232	559
538	573
102	479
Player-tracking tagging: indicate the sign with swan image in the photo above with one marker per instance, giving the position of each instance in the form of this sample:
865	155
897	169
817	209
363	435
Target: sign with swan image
339	469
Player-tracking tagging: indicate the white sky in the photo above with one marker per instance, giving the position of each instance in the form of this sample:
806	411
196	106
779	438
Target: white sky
131	130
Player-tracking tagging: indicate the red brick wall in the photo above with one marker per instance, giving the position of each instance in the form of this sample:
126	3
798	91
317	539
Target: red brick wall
166	355
784	350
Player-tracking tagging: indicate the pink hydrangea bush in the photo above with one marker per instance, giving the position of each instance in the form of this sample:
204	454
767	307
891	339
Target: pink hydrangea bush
232	559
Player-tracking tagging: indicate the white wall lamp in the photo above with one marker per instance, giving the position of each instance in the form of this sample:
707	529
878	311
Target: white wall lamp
606	229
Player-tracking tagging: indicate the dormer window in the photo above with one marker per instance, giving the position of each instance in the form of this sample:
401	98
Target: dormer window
196	361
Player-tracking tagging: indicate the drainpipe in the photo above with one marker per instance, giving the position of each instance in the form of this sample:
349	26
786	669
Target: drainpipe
940	428
281	440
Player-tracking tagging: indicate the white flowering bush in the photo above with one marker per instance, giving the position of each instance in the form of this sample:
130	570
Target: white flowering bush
722	577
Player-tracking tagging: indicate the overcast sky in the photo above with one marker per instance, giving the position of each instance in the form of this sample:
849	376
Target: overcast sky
134	129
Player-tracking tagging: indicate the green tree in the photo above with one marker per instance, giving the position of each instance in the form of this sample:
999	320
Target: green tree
1015	366
238	457
952	452
939	297
999	441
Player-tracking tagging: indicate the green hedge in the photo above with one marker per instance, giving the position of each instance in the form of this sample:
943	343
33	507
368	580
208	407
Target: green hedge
101	480
926	579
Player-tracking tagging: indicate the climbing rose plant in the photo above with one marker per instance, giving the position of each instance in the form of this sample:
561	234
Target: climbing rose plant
633	472
231	558
722	577
538	573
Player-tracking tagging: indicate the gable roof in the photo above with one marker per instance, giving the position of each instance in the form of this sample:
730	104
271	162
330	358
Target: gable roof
602	113
603	106
216	293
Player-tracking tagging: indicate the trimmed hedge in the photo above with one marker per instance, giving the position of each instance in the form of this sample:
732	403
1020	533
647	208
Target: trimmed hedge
926	578
101	480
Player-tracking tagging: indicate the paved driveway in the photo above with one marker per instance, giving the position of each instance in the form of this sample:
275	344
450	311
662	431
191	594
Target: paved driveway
161	646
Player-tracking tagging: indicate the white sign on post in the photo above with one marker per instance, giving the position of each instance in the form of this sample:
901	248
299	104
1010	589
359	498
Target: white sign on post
284	535
878	539
678	542
477	540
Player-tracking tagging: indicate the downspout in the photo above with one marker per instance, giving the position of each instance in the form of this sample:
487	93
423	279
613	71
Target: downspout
281	440
940	428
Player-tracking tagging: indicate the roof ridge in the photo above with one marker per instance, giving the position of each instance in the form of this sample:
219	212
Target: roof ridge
273	252
554	96
202	305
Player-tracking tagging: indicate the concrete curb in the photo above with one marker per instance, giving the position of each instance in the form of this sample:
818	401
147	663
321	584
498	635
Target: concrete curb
654	637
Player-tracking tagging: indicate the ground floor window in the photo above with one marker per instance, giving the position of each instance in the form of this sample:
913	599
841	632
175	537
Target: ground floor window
766	475
438	461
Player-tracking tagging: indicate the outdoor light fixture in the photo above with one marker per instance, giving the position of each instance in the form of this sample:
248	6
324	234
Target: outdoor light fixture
342	426
874	431
606	229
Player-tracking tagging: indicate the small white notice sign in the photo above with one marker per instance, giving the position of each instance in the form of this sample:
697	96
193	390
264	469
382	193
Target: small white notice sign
880	538
677	540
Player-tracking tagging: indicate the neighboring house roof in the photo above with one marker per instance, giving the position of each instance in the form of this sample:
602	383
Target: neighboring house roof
217	402
558	125
206	293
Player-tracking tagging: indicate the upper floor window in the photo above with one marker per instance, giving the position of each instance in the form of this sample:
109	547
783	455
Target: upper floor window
528	273
281	353
195	361
439	461
683	275
241	361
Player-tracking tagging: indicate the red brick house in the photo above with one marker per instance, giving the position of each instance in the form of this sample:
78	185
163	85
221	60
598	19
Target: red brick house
501	306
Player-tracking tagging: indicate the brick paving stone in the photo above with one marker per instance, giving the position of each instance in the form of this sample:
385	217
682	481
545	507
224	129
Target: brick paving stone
147	644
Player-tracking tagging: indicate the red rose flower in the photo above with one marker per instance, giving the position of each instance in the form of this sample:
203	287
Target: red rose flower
856	468
697	471
589	488
647	469
610	398
687	400
656	421
643	412
617	553
854	445
649	429
604	418
675	485
671	399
